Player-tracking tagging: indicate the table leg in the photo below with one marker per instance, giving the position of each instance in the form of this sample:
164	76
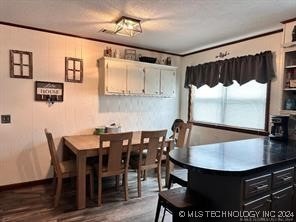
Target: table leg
168	164
81	180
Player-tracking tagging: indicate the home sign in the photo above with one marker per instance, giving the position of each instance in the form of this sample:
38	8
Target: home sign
49	91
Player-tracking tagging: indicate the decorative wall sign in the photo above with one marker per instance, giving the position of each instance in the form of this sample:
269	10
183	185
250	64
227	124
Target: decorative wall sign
49	91
21	64
73	70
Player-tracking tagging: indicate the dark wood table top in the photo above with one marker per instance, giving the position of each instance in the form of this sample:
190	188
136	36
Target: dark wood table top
236	157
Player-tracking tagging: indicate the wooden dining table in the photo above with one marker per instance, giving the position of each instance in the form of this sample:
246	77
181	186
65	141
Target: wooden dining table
84	146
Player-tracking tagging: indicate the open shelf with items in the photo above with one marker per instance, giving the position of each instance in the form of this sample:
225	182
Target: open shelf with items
289	87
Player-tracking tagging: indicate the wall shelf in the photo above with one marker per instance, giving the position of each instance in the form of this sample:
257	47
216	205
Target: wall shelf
289	89
290	67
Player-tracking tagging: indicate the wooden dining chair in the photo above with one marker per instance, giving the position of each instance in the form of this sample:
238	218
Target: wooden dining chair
182	135
117	161
150	154
63	169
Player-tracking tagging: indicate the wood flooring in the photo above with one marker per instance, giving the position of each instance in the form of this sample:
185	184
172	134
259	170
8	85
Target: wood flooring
36	203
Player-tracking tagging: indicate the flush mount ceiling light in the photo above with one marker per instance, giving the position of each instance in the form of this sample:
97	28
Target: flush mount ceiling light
128	26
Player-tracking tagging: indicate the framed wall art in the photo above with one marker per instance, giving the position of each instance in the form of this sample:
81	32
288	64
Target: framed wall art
130	54
21	64
73	70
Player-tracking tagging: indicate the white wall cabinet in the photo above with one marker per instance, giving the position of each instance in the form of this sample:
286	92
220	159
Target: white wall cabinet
152	81
167	83
288	29
125	77
115	77
135	79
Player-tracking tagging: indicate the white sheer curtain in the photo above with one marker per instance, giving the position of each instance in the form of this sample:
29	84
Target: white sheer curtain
235	105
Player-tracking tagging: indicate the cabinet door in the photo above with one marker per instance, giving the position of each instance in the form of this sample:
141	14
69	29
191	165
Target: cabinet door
168	83
282	200
152	81
135	79
115	77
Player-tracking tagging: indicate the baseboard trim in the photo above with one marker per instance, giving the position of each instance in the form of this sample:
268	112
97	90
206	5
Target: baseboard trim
25	184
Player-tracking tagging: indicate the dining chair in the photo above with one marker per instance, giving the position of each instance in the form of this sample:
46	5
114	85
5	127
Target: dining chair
63	169
175	201
117	161
182	135
150	154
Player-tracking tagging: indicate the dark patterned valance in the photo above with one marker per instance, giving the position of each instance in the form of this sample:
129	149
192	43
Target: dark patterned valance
243	69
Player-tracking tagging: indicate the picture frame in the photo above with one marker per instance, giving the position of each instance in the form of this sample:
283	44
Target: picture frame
21	64
73	70
49	91
130	54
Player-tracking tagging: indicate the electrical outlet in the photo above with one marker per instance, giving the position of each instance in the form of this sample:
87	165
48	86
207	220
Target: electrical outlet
5	119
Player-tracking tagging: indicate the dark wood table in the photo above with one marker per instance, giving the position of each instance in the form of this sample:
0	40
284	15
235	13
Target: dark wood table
84	146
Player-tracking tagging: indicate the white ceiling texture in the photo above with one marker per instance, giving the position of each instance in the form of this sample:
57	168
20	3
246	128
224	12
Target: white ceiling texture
176	26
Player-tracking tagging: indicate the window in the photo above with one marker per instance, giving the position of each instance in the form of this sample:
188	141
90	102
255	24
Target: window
234	106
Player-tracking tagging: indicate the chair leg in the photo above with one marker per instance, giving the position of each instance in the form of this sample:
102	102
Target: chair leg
159	177
157	210
54	182
99	191
117	182
145	175
91	186
58	191
139	183
163	215
122	182
125	186
170	182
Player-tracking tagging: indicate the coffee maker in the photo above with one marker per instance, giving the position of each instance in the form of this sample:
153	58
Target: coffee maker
279	127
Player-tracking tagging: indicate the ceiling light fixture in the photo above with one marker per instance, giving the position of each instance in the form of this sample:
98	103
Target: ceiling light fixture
128	26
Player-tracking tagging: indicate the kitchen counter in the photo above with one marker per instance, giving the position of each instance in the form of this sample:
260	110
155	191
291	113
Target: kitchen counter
237	157
246	175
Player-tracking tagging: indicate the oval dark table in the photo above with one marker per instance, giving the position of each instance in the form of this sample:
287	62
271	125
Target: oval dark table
233	176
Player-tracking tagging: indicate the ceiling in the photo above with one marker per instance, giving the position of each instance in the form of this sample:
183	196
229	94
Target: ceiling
176	26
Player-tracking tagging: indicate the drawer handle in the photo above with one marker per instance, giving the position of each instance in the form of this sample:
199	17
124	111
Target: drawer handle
279	197
286	178
262	187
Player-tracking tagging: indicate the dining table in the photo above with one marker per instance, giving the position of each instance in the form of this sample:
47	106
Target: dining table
85	146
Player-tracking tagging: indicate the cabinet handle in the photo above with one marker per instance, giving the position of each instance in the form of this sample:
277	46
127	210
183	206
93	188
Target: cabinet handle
286	178
122	91
257	207
156	92
268	200
143	90
262	187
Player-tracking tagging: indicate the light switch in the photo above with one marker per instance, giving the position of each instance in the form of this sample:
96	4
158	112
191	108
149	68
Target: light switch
5	119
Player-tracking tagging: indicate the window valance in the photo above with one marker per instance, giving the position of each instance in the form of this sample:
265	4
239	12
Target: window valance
243	69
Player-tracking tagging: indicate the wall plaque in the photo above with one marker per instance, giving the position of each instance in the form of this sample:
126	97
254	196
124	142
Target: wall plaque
49	91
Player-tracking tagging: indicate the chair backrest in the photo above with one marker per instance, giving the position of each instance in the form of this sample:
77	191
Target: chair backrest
53	153
182	134
153	142
118	142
